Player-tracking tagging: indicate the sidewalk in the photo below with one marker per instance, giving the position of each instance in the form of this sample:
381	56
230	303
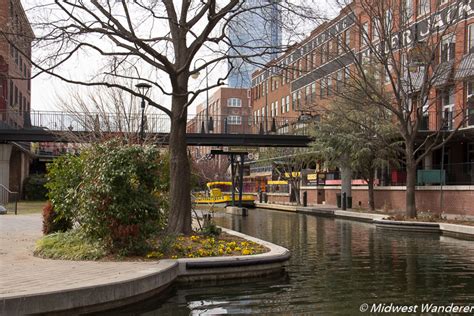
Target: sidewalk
30	285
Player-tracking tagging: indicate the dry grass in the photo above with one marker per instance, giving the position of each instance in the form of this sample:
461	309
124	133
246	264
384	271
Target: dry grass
27	207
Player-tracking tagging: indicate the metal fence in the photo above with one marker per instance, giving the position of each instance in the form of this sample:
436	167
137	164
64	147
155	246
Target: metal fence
154	123
9	199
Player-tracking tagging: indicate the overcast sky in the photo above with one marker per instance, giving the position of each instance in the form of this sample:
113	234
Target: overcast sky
45	89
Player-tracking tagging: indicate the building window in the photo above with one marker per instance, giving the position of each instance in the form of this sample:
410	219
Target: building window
470	107
283	106
347	38
234	120
423	7
447	106
448	47
470	39
375	30
329	86
388	21
287	103
276	108
234	102
407	11
340	80
272	113
11	93
294	100
322	88
364	35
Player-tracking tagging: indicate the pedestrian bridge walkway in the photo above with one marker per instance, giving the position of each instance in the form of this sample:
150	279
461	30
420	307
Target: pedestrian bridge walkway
48	126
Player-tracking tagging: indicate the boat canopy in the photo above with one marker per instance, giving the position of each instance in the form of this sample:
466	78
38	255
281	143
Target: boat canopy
279	182
211	184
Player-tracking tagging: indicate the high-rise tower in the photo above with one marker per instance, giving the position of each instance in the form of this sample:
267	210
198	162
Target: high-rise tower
255	37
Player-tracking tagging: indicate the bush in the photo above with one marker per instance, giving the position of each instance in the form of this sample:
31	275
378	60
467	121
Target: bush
116	193
71	245
54	222
118	198
34	187
64	179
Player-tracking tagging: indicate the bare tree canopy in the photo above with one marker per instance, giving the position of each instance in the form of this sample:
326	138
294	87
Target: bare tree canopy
155	42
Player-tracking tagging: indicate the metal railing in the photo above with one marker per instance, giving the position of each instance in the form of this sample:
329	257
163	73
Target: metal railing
233	123
8	198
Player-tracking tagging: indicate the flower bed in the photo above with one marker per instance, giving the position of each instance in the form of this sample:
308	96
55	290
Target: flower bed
198	246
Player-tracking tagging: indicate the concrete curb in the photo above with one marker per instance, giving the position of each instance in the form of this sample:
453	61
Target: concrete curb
88	299
425	227
452	230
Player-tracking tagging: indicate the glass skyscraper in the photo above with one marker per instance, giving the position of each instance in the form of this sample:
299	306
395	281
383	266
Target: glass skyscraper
255	37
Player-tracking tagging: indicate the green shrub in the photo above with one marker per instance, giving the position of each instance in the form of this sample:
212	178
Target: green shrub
53	222
118	195
34	187
71	245
64	179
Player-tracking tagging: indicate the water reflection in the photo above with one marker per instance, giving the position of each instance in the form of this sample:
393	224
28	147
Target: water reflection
336	266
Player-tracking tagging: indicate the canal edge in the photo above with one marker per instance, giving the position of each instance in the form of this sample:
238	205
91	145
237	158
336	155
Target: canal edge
148	282
463	232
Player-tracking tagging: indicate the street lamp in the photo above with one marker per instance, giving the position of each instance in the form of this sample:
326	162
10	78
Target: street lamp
208	126
143	89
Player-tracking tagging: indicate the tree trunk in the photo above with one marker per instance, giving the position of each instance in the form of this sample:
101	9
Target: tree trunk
370	183
346	180
179	218
411	183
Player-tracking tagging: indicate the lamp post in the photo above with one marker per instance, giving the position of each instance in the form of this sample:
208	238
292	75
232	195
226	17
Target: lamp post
143	89
195	76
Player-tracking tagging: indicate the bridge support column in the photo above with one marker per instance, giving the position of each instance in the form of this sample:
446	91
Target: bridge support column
5	154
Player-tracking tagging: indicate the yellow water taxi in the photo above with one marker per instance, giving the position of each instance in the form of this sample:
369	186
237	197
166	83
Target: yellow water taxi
215	195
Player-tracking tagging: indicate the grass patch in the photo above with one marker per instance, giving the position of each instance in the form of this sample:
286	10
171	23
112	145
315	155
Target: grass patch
28	207
70	245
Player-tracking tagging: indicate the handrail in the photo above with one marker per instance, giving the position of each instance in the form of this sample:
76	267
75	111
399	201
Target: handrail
15	194
5	188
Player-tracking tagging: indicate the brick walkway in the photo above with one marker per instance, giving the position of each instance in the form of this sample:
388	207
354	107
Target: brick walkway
23	274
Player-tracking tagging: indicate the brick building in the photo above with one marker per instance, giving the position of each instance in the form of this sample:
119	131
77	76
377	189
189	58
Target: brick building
228	112
302	83
16	37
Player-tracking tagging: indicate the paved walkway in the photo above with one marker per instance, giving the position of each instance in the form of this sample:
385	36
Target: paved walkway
23	274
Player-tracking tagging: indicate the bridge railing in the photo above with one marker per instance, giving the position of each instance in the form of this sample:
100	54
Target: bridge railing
233	123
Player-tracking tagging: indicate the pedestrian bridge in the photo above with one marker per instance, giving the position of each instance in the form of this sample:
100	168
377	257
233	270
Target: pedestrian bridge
49	126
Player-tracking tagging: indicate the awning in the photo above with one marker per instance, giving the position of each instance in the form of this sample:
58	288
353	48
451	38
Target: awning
413	81
443	73
466	67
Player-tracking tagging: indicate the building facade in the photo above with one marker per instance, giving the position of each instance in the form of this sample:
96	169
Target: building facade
228	112
254	34
305	80
15	90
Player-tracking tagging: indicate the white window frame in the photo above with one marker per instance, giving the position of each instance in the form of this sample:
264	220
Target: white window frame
450	106
470	39
446	42
287	103
234	120
234	102
423	8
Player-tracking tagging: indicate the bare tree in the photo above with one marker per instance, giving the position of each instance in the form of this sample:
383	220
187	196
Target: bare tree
414	62
288	164
155	42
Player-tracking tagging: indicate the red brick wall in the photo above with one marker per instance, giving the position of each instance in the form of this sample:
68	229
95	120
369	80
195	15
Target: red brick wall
455	202
278	199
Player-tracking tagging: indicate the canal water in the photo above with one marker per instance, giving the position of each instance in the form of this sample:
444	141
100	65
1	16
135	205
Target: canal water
336	266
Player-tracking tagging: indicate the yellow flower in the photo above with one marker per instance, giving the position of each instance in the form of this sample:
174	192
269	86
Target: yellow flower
238	248
194	238
174	257
246	252
221	251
